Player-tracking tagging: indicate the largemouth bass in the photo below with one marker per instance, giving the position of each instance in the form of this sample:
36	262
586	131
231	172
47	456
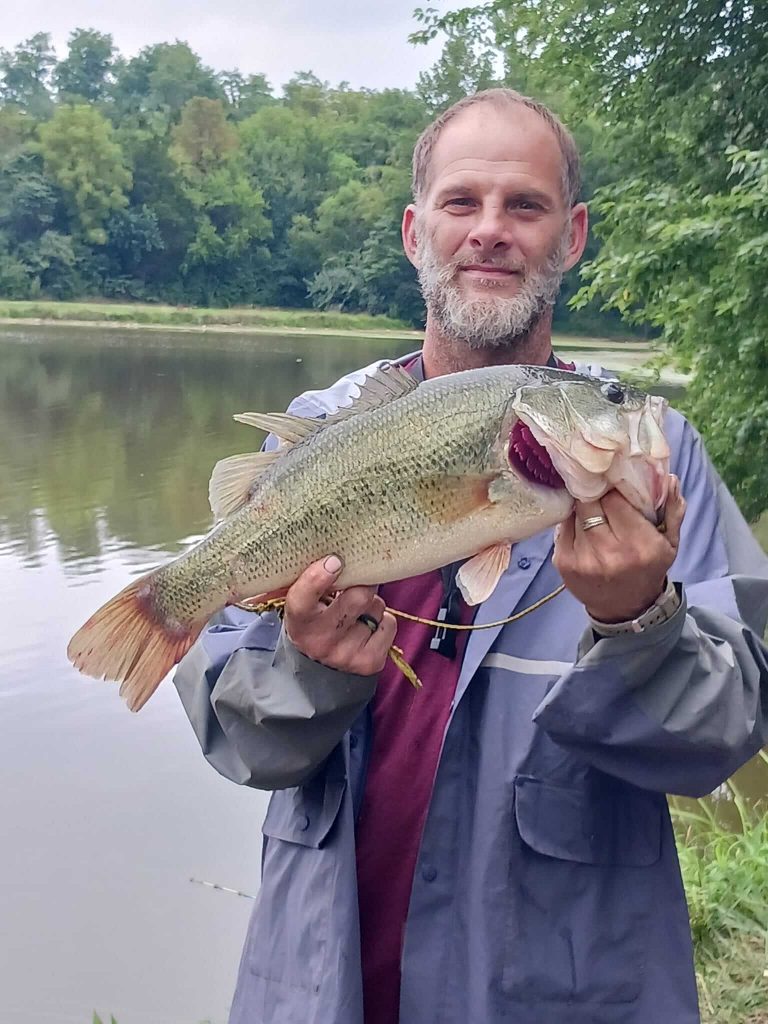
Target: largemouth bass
408	478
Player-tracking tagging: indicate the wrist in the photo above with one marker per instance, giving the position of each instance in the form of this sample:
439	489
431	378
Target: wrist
613	609
660	610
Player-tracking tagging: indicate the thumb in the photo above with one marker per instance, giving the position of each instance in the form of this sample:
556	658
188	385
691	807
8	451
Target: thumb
314	583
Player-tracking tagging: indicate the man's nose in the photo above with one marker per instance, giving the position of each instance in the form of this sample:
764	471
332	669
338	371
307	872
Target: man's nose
491	230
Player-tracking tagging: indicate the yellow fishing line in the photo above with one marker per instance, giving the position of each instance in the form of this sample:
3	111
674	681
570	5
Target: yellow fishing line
395	653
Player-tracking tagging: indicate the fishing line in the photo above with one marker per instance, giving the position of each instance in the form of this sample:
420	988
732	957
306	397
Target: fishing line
395	653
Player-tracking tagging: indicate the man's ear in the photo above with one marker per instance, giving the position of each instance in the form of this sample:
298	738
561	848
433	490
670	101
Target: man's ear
579	229
409	234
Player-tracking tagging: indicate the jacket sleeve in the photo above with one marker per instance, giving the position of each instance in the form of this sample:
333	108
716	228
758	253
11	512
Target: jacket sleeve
265	715
679	708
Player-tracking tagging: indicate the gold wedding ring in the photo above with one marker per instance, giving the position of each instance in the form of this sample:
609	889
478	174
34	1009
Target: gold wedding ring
592	521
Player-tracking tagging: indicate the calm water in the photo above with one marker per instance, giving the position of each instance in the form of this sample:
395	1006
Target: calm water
107	439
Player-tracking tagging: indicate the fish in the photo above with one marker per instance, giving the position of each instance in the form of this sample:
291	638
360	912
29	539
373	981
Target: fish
408	478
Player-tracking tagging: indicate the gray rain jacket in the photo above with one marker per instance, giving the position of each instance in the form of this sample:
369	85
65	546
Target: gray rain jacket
547	886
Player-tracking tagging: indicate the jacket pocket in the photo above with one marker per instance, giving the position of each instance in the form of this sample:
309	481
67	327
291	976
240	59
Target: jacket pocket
289	931
305	814
581	882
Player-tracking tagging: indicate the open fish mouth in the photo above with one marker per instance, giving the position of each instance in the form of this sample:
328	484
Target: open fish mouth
531	459
621	445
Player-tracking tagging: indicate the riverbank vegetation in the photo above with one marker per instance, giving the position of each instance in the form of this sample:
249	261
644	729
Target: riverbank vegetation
725	871
159	315
159	179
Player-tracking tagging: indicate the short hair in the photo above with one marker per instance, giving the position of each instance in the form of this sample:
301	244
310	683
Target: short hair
425	144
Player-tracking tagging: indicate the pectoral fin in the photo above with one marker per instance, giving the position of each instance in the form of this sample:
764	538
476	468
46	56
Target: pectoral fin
477	578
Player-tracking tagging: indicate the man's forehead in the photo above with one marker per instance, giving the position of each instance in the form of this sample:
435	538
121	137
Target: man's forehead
510	140
456	171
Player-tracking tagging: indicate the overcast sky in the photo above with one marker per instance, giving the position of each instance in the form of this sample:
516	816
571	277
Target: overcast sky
363	42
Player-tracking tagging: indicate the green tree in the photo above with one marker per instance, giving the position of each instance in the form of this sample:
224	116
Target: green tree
465	66
203	137
158	186
161	79
245	95
25	75
81	156
85	72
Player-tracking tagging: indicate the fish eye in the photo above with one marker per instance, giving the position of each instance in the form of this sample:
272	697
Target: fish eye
614	392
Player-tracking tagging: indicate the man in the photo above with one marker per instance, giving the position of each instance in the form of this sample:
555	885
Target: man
496	847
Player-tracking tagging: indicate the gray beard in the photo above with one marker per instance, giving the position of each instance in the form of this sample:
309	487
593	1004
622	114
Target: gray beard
493	322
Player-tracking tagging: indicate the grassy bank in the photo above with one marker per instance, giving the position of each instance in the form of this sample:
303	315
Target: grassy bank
244	318
726	883
248	320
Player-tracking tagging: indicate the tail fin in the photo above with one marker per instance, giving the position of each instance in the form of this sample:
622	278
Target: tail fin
126	640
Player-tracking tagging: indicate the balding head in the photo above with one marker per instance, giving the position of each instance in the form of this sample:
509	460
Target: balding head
505	100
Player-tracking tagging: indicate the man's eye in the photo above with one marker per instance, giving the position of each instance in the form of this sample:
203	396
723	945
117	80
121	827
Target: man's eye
460	201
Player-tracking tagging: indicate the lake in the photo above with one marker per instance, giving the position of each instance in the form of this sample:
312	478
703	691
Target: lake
108	437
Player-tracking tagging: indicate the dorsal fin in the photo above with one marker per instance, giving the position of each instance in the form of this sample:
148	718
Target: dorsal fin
232	479
281	424
386	384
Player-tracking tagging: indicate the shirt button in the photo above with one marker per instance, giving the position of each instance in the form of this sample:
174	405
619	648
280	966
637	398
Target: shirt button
524	562
303	823
429	874
352	741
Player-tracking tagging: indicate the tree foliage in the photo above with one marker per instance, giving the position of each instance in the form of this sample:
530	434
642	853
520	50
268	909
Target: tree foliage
158	178
81	156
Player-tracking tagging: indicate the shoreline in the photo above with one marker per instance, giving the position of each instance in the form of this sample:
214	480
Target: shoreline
138	316
216	328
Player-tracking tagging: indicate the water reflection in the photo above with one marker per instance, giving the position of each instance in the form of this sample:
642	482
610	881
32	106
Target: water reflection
118	440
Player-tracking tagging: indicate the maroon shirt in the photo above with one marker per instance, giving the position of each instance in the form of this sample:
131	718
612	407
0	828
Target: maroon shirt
408	728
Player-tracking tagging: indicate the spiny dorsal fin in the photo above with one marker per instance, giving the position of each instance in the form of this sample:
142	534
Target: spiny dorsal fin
232	479
386	384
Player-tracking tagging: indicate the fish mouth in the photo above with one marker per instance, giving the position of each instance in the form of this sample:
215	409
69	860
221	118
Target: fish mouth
531	460
587	462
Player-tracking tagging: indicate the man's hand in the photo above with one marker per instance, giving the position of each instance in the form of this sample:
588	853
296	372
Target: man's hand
617	569
328	629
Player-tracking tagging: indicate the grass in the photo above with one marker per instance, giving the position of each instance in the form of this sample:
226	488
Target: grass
251	319
146	314
726	882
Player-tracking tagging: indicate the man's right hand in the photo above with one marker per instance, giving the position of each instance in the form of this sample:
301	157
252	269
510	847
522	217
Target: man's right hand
328	629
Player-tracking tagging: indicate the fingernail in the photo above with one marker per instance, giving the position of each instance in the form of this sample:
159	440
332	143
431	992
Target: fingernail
332	565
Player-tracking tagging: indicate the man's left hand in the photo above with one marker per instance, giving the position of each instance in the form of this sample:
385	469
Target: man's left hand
617	569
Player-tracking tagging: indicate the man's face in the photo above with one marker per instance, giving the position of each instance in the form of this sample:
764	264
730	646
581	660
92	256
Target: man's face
493	234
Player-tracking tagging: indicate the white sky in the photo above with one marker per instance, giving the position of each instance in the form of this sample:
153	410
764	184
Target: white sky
363	42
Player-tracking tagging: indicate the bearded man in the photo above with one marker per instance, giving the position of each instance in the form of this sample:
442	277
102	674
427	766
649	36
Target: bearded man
496	847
